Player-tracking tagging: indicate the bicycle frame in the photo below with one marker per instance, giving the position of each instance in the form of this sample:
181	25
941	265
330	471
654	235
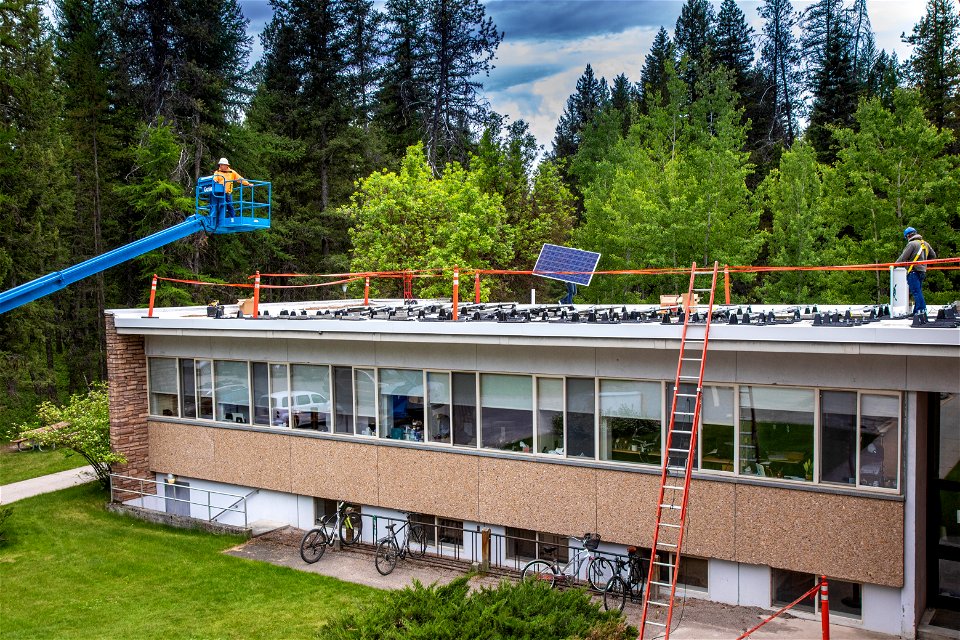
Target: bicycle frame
578	561
335	520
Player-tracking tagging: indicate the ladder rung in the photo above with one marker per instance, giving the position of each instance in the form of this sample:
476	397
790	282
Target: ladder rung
658	604
661	584
657	624
666	544
689	377
667	524
680	450
703	290
671	506
692	359
683	413
670	486
686	395
664	564
684	431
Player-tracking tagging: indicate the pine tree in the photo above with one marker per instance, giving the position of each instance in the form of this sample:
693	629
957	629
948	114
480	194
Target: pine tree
582	106
623	100
694	37
652	76
734	48
884	78
833	82
934	67
862	42
364	46
402	100
779	60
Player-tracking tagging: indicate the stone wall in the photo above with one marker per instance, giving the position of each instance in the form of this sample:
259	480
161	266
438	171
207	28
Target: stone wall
127	377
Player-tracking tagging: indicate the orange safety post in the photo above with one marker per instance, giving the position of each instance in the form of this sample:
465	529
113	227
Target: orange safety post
476	288
824	608
153	294
456	290
366	291
256	295
726	282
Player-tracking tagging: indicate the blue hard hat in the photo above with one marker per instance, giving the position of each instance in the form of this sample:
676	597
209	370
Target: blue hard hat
909	231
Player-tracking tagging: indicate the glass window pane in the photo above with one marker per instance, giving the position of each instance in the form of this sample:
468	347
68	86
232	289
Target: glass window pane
838	431
581	416
630	421
188	389
465	409
343	399
683	421
366	401
879	440
717	430
790	585
279	396
310	396
845	598
204	373
776	432
233	391
401	404
260	375
163	387
550	415
438	396
506	412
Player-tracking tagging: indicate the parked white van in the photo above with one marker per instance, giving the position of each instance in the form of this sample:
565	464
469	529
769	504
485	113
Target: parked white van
308	408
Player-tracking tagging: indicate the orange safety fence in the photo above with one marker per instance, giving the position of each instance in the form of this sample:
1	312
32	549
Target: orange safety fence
822	587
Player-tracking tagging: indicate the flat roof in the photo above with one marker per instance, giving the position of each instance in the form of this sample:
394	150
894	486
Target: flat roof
834	328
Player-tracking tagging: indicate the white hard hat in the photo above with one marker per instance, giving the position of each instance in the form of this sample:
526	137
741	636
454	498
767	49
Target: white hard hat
223	161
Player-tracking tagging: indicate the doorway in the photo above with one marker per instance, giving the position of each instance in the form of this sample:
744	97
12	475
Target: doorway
943	567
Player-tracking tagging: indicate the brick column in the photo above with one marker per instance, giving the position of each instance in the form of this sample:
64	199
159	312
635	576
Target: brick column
127	377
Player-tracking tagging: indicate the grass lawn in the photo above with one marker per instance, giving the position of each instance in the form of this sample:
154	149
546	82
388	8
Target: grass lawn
73	570
22	465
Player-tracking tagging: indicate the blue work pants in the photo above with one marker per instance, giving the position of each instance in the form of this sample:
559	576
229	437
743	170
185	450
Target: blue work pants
915	285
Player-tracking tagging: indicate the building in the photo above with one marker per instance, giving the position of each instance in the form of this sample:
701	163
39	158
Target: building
829	449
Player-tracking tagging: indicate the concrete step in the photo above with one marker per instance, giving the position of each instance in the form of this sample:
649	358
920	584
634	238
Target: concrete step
263	527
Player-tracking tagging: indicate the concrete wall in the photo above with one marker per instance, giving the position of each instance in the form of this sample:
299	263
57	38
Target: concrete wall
852	538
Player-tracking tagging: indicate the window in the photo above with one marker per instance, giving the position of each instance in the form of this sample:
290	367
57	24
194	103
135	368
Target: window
506	412
365	384
465	409
717	429
260	380
188	388
310	397
279	395
845	597
581	415
163	387
693	571
630	421
550	415
232	391
441	532
776	432
343	398
204	373
524	544
860	438
438	398
323	507
401	404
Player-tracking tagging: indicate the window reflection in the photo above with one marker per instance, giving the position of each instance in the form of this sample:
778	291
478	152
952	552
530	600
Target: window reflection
776	432
506	412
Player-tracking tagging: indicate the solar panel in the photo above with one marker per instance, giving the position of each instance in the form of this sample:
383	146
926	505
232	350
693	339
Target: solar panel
554	260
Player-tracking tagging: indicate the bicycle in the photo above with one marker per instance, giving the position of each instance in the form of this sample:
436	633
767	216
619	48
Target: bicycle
599	568
617	589
389	550
344	526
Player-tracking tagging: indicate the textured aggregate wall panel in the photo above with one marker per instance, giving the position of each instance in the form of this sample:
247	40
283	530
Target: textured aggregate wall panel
844	537
427	356
182	450
334	470
544	497
569	361
260	349
339	352
428	482
252	459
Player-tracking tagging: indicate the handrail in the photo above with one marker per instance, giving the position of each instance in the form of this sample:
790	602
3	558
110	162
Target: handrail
145	481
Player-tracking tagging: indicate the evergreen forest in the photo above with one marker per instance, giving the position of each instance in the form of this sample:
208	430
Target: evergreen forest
795	143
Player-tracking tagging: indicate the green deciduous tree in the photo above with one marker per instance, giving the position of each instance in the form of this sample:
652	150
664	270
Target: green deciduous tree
82	425
413	220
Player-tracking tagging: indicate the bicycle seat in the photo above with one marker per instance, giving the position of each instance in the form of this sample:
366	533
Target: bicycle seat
548	551
391	527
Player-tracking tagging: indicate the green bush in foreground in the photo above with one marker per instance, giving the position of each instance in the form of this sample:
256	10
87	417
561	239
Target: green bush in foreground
528	611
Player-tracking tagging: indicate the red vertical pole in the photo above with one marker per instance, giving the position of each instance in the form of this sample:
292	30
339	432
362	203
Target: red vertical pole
366	291
456	290
153	294
256	295
476	288
824	608
726	283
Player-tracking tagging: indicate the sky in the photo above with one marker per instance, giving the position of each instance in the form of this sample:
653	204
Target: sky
548	43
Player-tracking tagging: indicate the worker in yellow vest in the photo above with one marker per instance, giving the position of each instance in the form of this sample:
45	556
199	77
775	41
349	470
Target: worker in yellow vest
917	249
227	177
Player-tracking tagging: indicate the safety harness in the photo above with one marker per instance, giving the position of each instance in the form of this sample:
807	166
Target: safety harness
921	249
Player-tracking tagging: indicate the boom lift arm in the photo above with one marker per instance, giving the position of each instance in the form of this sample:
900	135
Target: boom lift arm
211	216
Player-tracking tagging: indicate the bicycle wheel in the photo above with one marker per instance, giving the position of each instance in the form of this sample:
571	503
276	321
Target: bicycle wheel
539	571
386	558
599	572
615	594
417	542
24	445
313	545
350	528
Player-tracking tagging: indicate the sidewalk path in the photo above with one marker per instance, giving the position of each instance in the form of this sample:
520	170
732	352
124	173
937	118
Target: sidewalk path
45	484
698	619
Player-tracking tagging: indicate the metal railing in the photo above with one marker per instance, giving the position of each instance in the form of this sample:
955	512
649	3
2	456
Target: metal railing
235	503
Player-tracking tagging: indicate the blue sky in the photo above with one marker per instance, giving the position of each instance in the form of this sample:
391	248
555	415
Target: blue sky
547	44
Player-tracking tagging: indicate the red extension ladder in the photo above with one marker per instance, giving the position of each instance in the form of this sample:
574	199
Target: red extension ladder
678	462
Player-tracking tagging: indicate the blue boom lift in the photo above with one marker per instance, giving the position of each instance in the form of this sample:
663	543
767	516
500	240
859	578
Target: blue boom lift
251	212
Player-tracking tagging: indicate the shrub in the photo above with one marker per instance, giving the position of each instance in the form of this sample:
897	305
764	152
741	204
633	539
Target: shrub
525	611
4	515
